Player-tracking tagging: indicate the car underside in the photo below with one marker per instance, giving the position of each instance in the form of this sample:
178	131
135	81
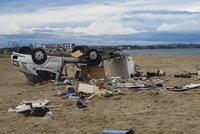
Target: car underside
38	66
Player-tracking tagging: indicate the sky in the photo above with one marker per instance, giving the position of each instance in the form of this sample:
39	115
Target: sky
99	22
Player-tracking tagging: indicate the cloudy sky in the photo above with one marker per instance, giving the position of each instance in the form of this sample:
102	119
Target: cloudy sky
100	22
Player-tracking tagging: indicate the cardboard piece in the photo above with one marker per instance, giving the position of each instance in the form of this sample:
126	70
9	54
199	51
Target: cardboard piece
77	54
92	72
87	88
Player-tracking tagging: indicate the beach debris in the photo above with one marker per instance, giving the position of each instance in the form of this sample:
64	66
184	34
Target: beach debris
137	84
142	78
101	85
158	73
63	81
70	91
118	131
156	83
151	74
183	88
32	108
161	73
61	90
67	82
81	103
186	75
86	88
138	73
144	88
73	97
103	93
190	86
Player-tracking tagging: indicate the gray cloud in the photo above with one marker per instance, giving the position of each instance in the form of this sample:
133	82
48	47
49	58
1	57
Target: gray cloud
163	12
99	21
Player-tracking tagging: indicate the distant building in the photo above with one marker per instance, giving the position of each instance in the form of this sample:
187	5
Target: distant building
57	48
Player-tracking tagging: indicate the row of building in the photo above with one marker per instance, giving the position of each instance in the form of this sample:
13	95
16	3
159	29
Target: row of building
53	48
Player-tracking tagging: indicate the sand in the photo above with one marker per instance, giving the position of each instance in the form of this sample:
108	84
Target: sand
146	112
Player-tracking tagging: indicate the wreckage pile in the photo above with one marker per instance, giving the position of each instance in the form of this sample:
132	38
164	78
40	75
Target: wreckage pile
103	88
83	92
89	82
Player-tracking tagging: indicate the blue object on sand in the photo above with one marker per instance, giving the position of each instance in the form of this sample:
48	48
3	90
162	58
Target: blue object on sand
114	131
70	90
72	97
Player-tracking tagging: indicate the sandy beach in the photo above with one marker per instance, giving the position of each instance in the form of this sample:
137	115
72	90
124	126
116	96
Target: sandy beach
146	112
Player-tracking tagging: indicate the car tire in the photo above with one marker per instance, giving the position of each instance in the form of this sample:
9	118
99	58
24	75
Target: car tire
25	50
39	56
94	57
76	48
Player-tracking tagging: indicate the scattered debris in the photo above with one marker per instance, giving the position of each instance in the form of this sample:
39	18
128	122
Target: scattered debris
86	88
190	86
73	97
189	75
158	73
70	91
32	108
143	88
104	93
183	88
81	104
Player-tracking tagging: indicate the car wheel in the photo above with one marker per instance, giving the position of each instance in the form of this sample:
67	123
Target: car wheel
39	56
94	57
78	48
25	50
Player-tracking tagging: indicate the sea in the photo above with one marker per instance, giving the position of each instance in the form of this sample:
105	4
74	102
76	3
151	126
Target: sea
176	51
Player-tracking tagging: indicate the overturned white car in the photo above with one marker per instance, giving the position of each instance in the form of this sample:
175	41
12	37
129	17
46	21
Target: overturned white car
38	66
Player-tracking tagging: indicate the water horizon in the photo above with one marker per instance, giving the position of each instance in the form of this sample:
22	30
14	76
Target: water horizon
174	51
